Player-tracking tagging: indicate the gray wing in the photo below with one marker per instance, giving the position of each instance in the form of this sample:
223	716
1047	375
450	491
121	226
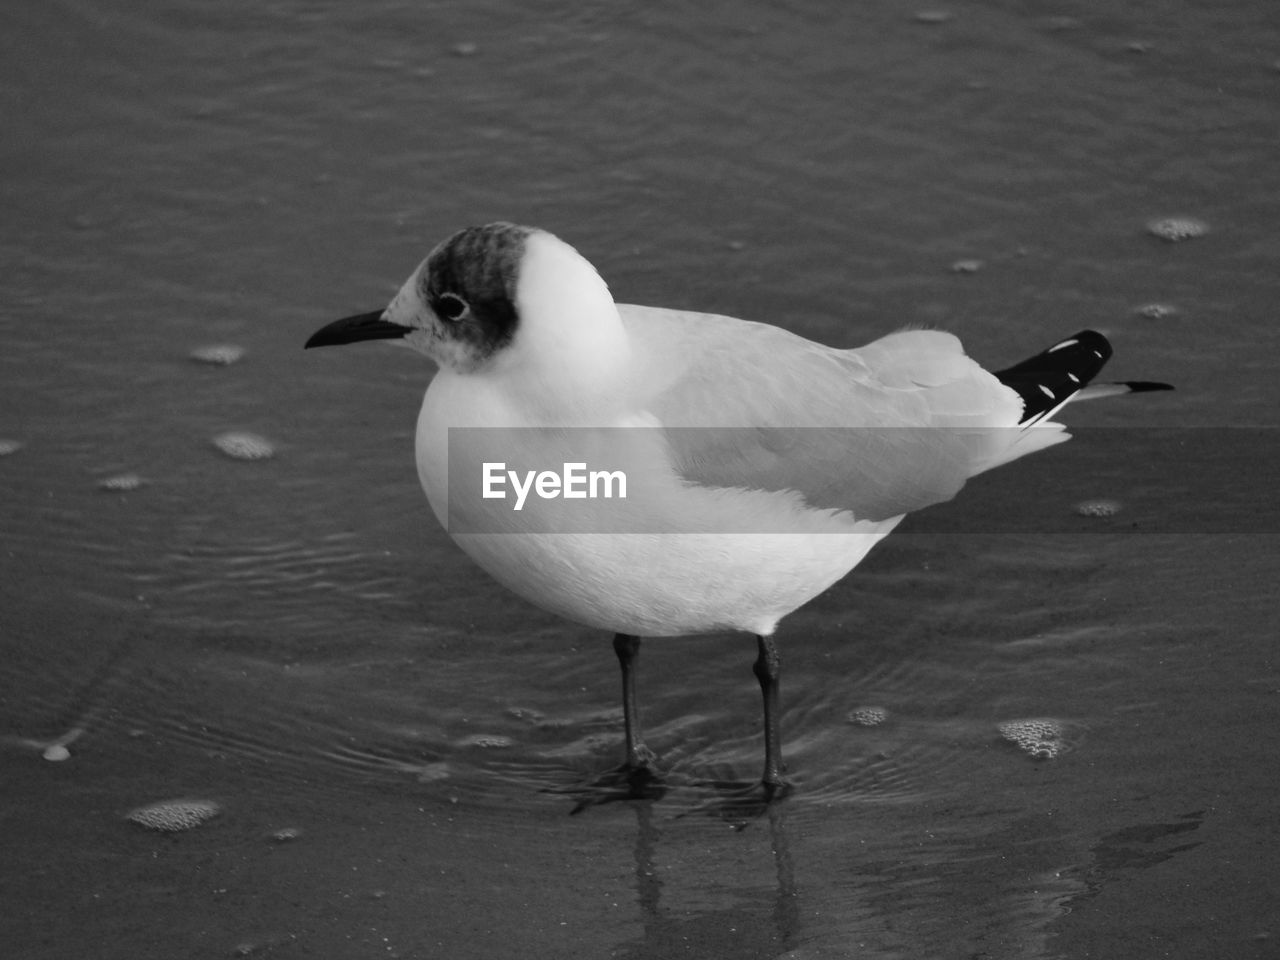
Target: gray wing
891	427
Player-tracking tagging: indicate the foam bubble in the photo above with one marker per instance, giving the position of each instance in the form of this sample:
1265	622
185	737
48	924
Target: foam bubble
172	816
1062	23
1098	508
1156	311
1042	737
966	266
9	446
528	714
434	772
489	741
868	716
218	354
1175	229
244	446
121	483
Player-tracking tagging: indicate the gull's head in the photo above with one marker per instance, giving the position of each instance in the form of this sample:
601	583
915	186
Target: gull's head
498	299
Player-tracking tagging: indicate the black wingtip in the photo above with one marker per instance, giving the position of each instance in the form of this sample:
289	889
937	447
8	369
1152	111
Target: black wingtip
1142	386
1053	376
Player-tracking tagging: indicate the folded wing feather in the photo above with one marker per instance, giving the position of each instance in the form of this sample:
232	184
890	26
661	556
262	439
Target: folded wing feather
879	431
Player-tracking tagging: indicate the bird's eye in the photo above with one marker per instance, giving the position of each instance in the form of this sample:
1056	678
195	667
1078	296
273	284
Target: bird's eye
450	306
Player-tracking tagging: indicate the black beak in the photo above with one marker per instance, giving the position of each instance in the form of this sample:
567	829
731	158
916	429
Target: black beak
363	326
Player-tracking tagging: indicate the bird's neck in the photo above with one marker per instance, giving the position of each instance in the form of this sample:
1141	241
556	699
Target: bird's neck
572	365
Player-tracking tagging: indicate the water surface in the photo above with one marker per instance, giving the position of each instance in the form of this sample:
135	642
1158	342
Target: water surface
388	734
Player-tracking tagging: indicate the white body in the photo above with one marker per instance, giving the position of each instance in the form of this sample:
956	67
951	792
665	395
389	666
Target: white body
580	360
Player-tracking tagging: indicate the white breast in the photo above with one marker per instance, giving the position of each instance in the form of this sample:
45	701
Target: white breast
642	583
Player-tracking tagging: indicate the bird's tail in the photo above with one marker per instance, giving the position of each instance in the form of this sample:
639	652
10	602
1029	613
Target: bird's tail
1052	378
1047	382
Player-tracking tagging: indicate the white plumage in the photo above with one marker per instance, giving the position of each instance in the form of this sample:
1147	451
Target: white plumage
578	359
761	466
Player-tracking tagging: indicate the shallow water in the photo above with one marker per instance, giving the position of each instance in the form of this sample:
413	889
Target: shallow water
392	740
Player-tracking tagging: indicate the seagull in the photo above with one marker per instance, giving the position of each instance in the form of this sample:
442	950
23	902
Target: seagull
762	466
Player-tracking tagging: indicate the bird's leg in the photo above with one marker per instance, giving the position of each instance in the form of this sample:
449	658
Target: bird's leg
637	778
628	648
766	669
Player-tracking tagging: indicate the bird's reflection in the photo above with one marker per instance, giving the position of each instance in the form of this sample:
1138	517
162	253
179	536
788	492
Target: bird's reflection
735	801
766	924
623	783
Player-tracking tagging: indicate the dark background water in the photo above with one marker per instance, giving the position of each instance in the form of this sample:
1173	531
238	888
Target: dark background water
295	640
